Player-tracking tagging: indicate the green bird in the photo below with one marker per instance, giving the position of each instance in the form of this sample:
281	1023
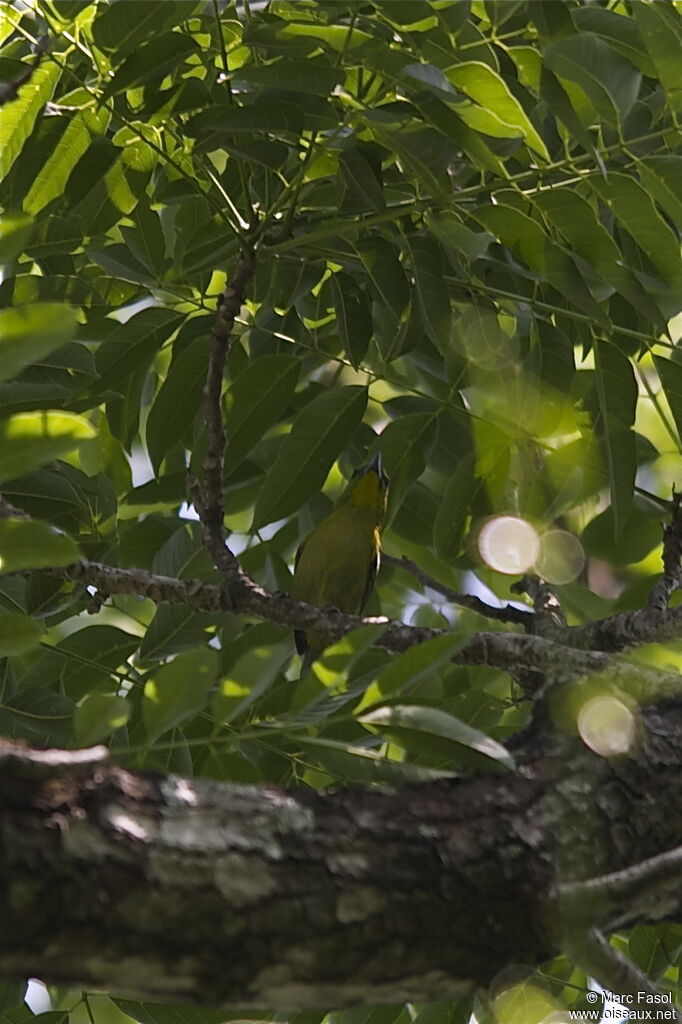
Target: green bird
337	562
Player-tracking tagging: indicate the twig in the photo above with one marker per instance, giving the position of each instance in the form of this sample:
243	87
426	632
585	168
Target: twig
672	559
615	972
208	496
507	614
611	900
545	602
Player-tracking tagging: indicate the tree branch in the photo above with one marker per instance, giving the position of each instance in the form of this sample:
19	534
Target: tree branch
208	496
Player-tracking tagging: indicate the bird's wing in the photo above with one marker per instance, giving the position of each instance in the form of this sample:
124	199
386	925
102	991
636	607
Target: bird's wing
300	639
372	570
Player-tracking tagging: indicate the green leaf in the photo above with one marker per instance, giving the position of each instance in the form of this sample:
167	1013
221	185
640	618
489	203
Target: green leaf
256	400
51	180
30	439
312	75
363	188
276	117
353	316
318	436
556	98
487	88
453	508
98	716
661	29
406	671
523	234
132	346
662	180
385	273
122	27
151	61
19	634
589	239
15	232
432	290
609	80
177	402
617	392
403	720
177	690
173	629
91	656
247	680
634	208
405	445
29	333
19	116
670	374
31	544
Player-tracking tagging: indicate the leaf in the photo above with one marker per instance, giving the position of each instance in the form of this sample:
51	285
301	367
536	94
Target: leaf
523	234
670	374
248	679
19	116
578	223
401	720
132	345
30	439
51	180
19	634
453	508
661	29
258	397
276	117
177	690
617	392
29	333
91	655
662	180
363	188
99	716
431	286
609	80
311	75
484	85
385	273
317	437
177	402
175	628
405	445
31	544
15	232
353	316
406	671
151	61
122	27
636	211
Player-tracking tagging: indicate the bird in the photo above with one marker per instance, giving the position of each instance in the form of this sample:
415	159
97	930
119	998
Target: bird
337	562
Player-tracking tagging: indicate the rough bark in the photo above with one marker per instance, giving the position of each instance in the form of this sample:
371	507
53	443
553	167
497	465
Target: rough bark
184	889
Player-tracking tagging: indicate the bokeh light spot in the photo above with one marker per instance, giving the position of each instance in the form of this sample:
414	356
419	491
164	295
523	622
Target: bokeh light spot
560	558
508	544
606	726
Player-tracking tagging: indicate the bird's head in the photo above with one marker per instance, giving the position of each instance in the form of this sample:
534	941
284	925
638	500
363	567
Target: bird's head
368	488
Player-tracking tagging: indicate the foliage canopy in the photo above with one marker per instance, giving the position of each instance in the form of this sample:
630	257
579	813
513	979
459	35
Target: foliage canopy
467	224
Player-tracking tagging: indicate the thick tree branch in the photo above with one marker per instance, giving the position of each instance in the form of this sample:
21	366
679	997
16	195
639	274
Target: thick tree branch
509	652
186	889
